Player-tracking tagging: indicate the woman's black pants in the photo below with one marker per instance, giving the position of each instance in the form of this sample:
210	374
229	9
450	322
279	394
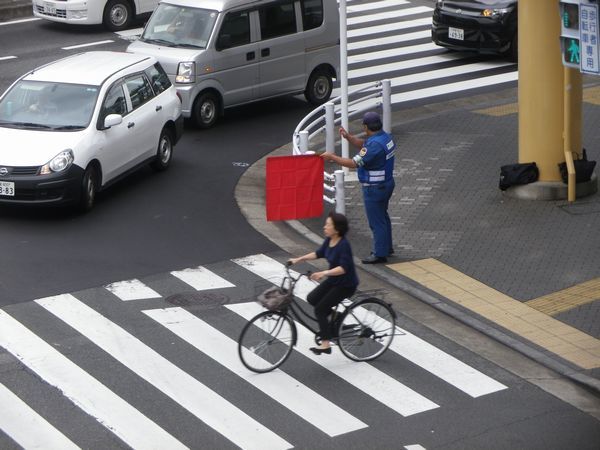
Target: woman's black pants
324	297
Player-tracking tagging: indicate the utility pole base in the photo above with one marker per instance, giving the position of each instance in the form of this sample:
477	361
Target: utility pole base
551	190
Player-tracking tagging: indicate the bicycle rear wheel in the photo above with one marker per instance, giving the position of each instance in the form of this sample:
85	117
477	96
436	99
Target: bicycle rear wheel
366	329
266	341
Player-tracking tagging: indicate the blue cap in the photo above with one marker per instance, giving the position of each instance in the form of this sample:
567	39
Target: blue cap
371	118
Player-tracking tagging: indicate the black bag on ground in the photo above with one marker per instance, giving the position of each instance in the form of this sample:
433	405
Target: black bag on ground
515	174
583	169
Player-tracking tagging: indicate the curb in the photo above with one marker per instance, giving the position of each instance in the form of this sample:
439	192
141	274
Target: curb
15	9
249	194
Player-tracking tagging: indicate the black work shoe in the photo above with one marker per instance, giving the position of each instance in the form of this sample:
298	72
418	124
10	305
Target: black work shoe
391	252
318	351
374	260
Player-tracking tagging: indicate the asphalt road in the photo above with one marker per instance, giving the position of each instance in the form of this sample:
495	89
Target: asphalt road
148	223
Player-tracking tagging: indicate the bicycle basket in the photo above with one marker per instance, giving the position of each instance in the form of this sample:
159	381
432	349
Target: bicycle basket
274	298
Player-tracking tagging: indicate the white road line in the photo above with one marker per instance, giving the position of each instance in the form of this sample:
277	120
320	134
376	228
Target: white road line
190	393
375	5
14	22
278	385
403	65
394	52
388	15
363	376
87	393
390	40
202	279
131	290
400	25
4	58
89	44
26	427
419	352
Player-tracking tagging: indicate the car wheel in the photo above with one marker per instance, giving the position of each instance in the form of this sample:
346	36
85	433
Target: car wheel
164	153
206	110
89	187
319	87
117	15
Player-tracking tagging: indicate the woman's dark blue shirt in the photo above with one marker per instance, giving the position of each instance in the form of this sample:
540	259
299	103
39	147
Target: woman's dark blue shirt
339	255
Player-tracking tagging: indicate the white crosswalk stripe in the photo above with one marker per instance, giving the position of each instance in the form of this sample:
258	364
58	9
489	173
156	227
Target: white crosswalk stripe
233	422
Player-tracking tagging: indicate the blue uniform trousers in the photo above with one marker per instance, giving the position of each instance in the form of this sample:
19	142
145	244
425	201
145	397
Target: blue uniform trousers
377	198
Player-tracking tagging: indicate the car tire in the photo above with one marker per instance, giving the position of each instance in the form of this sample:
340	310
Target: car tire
164	152
206	110
117	15
89	188
319	87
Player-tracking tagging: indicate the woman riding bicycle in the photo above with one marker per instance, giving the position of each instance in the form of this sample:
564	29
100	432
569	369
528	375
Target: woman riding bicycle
341	279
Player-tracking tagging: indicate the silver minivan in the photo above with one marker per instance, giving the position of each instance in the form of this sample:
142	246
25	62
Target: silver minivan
223	53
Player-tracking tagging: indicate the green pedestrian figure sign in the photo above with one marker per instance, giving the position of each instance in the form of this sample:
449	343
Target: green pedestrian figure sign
573	51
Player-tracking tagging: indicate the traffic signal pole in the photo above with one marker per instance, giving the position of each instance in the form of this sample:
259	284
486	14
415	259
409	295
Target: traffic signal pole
541	98
573	112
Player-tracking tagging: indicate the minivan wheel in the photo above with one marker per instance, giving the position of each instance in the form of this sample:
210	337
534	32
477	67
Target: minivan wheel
319	87
206	110
164	153
89	187
117	15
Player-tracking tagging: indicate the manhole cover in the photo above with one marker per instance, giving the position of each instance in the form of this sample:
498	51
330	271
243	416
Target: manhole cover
198	299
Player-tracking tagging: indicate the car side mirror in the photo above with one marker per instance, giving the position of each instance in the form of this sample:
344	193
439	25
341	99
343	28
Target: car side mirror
111	120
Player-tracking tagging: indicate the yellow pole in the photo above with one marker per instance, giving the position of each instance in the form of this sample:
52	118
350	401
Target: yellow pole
540	88
573	93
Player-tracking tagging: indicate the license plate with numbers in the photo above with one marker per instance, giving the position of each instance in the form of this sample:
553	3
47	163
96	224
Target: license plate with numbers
49	8
7	188
456	33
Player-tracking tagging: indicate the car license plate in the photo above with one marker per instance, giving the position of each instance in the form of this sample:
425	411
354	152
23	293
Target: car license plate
7	188
49	8
456	33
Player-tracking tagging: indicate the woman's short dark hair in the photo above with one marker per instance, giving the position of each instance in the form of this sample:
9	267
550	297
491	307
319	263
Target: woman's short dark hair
340	223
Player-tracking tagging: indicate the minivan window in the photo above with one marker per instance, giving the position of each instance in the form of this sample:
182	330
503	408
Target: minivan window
114	102
139	90
158	78
235	30
179	26
277	19
312	13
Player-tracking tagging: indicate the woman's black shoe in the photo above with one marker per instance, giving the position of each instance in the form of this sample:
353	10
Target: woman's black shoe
318	351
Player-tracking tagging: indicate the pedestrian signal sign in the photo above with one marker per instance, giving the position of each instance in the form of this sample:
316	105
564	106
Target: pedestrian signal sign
580	35
571	54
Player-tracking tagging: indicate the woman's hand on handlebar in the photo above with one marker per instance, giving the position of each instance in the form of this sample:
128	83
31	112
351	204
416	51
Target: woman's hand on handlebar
292	261
317	276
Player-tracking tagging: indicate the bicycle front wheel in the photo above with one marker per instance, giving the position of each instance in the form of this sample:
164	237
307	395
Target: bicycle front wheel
266	341
366	329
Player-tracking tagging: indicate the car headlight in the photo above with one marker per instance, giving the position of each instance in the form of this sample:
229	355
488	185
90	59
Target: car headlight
186	72
494	12
59	163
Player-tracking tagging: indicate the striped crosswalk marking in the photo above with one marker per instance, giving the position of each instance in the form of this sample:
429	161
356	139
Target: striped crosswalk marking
110	410
26	427
190	393
131	290
284	389
389	27
385	389
366	18
201	279
411	347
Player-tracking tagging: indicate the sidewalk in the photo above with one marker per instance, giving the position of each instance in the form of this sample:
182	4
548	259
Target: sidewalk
15	9
524	272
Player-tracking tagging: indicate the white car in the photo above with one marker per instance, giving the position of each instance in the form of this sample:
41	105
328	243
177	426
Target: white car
76	125
116	15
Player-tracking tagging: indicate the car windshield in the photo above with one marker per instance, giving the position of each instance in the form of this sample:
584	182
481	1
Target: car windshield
48	105
178	26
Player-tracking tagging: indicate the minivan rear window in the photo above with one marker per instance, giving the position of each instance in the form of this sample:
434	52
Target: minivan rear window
277	19
312	14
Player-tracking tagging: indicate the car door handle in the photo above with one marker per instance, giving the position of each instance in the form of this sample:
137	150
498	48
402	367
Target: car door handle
158	107
250	56
265	52
131	125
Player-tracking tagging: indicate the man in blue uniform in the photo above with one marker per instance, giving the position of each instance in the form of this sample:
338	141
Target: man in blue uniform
375	166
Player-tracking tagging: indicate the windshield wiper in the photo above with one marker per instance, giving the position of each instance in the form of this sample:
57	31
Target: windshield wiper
158	41
29	125
188	46
69	127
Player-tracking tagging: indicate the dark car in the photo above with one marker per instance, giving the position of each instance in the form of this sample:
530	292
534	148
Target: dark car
484	26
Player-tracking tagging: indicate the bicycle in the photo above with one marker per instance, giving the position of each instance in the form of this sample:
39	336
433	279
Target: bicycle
362	328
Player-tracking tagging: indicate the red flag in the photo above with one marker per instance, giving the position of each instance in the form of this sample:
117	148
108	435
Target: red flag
294	188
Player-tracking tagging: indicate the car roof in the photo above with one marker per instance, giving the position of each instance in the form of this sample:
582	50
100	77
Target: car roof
91	68
217	5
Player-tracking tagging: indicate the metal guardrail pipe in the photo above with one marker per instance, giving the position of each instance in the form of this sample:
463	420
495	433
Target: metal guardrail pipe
303	141
329	127
386	95
340	202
